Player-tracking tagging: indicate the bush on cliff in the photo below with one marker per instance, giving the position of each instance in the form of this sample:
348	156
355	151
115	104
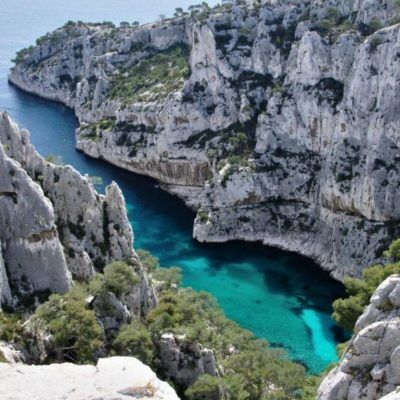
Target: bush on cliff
134	340
118	278
10	327
207	387
74	329
171	276
347	311
152	78
149	262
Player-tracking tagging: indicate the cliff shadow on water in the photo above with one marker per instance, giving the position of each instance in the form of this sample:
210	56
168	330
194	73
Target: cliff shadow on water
280	296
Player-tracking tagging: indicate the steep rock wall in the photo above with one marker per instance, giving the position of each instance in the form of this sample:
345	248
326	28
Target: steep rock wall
277	120
55	226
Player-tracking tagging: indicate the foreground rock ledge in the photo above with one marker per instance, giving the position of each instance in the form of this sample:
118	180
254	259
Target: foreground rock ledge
115	378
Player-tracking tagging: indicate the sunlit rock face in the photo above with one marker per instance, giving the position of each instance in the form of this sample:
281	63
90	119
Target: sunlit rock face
370	367
55	227
277	120
116	378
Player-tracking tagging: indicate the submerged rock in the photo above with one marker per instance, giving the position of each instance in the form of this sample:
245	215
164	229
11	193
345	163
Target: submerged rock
115	378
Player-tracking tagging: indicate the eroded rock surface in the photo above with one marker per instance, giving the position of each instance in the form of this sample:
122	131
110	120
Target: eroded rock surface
184	361
54	226
115	378
277	120
370	367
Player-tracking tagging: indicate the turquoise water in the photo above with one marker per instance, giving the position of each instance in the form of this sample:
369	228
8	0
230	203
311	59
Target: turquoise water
279	296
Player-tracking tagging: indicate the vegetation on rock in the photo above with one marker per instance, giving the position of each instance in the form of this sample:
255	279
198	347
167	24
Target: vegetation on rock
153	78
360	290
134	340
248	367
119	278
74	328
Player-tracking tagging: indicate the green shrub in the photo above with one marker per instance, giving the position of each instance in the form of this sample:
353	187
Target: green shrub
309	389
206	387
368	29
106	124
171	276
10	327
393	253
134	340
20	55
346	311
374	43
333	14
247	372
119	278
74	329
374	25
203	216
149	262
152	78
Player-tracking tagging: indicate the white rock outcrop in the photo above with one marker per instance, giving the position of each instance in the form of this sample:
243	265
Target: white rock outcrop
54	226
115	378
32	254
314	87
183	361
370	367
392	396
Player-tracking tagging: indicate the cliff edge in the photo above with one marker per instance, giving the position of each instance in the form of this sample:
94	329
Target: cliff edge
116	378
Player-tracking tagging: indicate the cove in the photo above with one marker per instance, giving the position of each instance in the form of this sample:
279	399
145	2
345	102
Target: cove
279	296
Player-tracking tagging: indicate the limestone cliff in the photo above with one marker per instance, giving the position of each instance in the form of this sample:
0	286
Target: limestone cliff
277	120
116	378
184	361
370	367
55	227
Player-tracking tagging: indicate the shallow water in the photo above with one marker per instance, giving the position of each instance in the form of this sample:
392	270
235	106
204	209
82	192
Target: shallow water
279	296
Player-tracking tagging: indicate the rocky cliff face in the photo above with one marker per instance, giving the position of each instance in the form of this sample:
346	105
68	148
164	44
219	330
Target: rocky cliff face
370	367
184	361
277	120
116	378
55	227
